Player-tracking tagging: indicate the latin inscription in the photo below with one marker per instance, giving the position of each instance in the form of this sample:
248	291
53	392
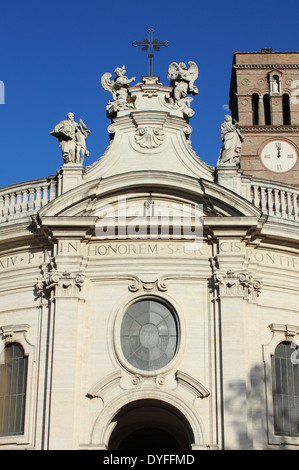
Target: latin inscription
260	256
153	249
22	260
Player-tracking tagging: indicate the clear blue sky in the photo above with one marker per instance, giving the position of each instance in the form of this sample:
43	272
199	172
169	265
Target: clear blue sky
53	55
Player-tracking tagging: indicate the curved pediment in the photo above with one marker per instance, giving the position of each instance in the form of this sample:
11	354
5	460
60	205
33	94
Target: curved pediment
152	187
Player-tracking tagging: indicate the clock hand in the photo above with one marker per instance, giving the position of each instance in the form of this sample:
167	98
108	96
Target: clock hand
278	146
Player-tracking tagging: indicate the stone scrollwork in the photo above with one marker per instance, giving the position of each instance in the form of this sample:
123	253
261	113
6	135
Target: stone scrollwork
149	137
66	281
148	286
237	283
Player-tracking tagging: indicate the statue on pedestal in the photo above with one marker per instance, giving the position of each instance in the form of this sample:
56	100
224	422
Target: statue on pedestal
232	142
119	88
72	139
182	80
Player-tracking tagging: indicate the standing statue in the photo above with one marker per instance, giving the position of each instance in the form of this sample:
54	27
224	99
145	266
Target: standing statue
72	139
182	80
232	142
119	88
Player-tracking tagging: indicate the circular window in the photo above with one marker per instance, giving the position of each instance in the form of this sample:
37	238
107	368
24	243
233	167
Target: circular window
149	335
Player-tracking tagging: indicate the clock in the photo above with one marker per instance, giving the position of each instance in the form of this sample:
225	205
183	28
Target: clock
279	156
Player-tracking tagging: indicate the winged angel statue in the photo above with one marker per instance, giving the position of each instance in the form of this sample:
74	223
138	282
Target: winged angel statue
119	88
182	80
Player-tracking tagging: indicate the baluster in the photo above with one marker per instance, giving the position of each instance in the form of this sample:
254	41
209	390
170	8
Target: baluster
270	201
283	203
31	194
1	206
45	198
53	190
255	191
289	205
6	205
18	202
264	202
275	202
24	202
38	199
296	206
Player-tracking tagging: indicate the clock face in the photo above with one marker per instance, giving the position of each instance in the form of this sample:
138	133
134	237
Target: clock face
279	156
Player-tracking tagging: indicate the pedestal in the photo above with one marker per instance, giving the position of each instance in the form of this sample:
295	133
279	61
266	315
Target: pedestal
71	176
229	176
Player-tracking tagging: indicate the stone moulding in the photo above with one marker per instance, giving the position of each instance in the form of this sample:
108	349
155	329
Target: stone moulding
114	379
266	66
242	283
9	333
148	286
149	137
192	384
64	280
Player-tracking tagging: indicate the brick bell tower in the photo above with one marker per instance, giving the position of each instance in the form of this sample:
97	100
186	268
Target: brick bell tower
264	100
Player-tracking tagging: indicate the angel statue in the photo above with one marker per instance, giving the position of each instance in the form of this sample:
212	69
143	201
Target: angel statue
182	80
72	139
119	88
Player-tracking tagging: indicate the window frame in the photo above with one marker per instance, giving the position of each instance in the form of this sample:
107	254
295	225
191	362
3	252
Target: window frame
123	362
17	334
281	334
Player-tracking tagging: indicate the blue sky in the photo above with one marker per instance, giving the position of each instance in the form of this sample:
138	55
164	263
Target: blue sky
53	54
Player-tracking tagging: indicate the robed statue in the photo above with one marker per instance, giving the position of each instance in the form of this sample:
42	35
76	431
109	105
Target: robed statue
72	139
232	142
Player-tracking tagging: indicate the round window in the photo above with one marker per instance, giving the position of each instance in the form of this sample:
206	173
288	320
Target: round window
149	335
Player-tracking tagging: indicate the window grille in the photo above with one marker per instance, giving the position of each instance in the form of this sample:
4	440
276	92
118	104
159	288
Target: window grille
149	335
285	379
13	378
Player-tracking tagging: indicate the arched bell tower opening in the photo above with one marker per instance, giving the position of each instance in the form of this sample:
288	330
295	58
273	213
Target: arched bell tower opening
150	425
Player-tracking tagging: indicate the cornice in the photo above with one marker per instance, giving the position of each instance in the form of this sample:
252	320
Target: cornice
266	66
267	129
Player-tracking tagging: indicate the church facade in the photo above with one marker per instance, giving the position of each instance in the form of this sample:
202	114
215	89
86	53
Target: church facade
150	300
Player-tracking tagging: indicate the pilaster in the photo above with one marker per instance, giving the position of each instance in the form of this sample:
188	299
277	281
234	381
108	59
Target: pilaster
235	288
64	279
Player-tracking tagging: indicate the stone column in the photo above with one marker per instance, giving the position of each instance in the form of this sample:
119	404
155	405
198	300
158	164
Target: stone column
261	111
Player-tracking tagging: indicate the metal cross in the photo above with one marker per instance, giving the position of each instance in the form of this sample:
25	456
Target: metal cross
150	45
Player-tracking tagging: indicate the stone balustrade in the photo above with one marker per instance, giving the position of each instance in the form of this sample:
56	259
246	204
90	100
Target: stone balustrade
24	199
275	199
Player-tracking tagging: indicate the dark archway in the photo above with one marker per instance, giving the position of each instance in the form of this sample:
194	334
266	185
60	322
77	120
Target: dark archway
150	425
149	438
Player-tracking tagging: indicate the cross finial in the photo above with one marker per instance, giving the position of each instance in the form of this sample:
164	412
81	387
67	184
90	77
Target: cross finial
150	44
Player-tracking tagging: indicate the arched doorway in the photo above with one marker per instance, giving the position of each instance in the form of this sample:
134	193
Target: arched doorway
150	425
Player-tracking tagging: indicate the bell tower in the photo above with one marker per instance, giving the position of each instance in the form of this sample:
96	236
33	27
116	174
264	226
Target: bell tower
264	100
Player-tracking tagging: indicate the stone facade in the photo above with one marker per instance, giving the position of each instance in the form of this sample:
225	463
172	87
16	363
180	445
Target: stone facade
80	249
